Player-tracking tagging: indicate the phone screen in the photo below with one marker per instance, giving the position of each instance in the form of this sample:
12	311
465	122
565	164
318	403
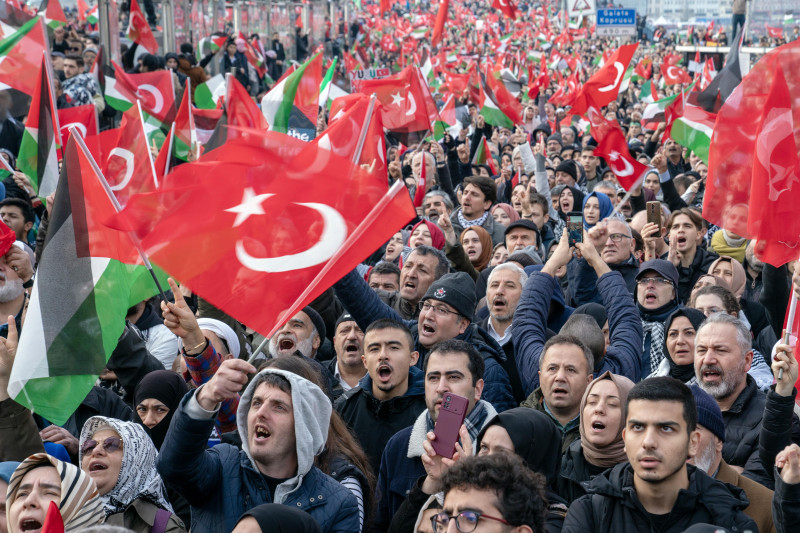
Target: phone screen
575	227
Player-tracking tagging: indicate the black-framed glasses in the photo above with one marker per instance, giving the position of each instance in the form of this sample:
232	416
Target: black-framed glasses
438	309
616	237
110	444
466	521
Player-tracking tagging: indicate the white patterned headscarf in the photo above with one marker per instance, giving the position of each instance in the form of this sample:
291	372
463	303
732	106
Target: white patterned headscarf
80	504
138	478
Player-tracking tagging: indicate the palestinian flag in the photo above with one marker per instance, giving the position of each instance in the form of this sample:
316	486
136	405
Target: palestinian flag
210	45
205	121
153	89
185	138
648	93
91	16
291	106
327	81
86	282
446	119
692	127
37	151
21	56
490	110
207	94
653	114
52	13
483	156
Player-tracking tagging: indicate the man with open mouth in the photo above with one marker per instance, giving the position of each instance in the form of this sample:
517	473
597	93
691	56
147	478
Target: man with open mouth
692	261
303	333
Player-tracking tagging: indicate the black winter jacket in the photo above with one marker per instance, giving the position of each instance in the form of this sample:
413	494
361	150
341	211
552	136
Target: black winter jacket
611	505
742	432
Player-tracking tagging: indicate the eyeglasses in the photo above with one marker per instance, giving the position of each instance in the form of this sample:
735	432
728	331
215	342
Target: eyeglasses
110	445
656	281
440	310
466	521
616	237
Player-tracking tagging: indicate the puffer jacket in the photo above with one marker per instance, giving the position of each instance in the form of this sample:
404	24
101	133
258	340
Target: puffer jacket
786	505
221	483
742	432
688	276
366	307
611	505
779	427
530	326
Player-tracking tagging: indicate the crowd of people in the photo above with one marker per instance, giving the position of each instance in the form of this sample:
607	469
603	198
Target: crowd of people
629	374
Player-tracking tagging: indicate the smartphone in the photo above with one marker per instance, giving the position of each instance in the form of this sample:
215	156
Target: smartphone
575	227
451	417
654	214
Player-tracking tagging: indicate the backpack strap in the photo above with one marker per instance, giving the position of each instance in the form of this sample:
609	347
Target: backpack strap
160	523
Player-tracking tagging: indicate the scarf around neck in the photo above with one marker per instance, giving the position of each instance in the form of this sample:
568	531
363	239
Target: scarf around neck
464	223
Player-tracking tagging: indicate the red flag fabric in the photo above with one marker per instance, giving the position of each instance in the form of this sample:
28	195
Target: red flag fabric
164	161
22	57
753	185
139	30
54	12
794	331
185	131
612	147
403	102
242	110
348	116
603	87
507	7
674	75
422	184
153	89
83	117
286	208
509	105
129	168
644	69
774	33
7	238
441	17
53	521
83	8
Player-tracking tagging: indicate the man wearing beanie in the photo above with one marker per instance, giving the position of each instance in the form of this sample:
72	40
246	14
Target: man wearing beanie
567	174
303	333
709	459
446	312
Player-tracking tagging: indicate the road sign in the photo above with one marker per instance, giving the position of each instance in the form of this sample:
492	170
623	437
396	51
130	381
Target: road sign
577	8
616	22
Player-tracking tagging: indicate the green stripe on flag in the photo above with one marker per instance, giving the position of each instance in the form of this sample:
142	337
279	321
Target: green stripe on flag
208	94
278	103
693	135
114	98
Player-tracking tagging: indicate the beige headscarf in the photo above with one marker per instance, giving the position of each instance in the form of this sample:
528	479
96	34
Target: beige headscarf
614	453
80	504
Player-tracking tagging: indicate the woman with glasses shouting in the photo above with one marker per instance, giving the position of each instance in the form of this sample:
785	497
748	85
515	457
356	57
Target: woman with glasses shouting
121	459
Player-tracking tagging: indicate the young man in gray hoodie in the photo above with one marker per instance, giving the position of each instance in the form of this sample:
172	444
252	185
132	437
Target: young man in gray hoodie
283	421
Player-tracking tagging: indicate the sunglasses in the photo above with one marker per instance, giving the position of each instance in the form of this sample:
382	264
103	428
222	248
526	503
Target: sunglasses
110	444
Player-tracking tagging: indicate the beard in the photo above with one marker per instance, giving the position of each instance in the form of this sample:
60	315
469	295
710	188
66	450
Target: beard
728	384
11	290
705	458
305	347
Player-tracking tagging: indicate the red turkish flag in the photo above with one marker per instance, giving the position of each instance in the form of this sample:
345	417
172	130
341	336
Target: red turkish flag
753	185
774	33
139	30
441	18
286	208
348	116
128	167
83	117
242	111
612	147
673	75
603	87
53	522
153	89
507	7
404	103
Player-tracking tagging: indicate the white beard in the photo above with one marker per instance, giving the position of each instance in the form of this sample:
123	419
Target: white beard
11	290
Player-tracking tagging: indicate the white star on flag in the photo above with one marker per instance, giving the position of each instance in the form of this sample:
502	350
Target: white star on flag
397	99
613	155
251	205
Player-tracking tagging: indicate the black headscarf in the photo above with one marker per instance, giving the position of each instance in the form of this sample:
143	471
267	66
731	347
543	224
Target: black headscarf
577	203
536	439
277	518
682	372
168	388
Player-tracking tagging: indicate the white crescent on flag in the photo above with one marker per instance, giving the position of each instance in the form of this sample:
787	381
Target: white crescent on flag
78	126
333	236
620	72
127	156
627	169
159	98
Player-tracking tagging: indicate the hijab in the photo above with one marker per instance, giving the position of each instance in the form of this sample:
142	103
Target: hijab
80	505
437	235
536	439
168	388
739	277
614	453
509	209
278	518
606	207
695	317
486	246
138	478
221	330
577	199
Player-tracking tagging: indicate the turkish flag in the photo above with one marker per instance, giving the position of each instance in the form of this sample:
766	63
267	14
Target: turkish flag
153	89
753	185
128	167
241	110
83	117
286	208
507	7
53	522
441	18
612	147
673	75
139	30
603	87
774	33
403	101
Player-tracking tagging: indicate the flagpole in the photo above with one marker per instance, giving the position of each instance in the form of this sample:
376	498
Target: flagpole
628	195
787	332
102	179
149	155
362	137
6	165
169	148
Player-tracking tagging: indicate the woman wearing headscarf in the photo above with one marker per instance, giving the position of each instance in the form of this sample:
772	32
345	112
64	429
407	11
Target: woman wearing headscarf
680	329
596	207
121	459
78	499
536	439
276	518
600	446
472	252
504	214
426	233
570	199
